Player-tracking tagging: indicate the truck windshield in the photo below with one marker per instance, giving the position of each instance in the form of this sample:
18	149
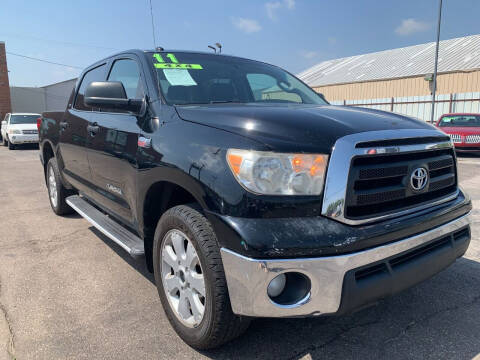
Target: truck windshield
461	120
23	119
188	78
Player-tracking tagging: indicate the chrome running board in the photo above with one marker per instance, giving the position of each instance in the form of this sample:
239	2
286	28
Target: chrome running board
113	230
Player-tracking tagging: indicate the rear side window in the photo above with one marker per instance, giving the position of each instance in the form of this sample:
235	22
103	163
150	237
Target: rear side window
96	74
126	71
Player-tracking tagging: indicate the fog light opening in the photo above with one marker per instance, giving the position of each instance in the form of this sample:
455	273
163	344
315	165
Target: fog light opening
289	288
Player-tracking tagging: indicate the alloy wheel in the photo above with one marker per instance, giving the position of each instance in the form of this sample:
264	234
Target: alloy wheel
52	187
182	278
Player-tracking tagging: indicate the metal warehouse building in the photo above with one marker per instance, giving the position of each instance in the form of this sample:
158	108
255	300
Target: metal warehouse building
400	80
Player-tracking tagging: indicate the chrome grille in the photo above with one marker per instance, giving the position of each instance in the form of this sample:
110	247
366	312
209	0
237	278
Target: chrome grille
369	176
380	184
456	138
29	132
472	139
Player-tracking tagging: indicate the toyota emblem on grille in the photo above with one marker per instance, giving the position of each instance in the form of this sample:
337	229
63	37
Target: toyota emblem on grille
419	179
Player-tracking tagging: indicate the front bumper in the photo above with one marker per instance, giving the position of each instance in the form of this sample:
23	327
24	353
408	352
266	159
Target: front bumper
23	139
343	283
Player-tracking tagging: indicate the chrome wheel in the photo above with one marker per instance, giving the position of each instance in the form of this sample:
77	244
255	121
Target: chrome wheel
182	278
52	187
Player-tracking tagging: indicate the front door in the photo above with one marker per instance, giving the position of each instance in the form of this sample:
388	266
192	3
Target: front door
112	149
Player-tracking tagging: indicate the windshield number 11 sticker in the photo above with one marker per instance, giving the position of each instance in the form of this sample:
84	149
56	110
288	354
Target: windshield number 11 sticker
173	64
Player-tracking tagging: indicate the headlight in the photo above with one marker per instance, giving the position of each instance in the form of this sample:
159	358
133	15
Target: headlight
270	173
14	131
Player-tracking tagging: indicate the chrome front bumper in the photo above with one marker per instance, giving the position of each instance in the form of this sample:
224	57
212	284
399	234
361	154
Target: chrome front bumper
23	139
248	278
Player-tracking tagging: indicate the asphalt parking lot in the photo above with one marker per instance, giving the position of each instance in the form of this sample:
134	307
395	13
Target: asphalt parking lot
68	292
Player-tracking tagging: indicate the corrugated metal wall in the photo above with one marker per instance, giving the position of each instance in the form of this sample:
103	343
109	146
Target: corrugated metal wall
458	82
420	106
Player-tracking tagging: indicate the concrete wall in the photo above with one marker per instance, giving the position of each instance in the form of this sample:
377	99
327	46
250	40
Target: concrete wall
57	95
458	82
27	99
37	100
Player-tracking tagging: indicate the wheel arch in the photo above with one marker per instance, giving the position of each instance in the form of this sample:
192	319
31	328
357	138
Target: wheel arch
47	153
158	198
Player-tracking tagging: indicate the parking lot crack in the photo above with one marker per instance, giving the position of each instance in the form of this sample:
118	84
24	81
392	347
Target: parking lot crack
11	338
343	330
412	324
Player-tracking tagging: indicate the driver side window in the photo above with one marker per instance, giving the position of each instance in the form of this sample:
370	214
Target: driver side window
126	71
264	88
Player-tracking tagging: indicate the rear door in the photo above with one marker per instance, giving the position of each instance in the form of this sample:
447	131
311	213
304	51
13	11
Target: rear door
74	137
113	149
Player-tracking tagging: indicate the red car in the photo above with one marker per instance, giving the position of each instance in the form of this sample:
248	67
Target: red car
464	130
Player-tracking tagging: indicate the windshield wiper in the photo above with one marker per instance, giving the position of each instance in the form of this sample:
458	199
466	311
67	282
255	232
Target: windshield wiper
212	102
226	102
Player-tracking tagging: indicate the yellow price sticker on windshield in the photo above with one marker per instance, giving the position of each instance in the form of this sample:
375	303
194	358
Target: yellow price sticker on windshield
161	64
178	66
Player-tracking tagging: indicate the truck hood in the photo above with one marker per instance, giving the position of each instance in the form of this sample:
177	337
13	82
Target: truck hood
296	128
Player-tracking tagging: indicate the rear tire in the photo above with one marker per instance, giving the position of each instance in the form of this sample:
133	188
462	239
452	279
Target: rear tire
57	193
180	228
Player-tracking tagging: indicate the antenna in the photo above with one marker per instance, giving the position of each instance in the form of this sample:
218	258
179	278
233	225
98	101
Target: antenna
211	47
153	26
219	47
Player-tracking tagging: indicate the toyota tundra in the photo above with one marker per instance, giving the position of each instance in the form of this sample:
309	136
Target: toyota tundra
247	194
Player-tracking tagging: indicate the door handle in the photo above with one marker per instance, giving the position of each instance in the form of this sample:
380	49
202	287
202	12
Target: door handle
144	142
92	129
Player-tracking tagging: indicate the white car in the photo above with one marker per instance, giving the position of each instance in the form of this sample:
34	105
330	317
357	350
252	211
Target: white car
19	128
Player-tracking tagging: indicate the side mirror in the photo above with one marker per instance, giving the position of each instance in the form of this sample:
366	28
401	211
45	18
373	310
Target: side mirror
110	95
4	122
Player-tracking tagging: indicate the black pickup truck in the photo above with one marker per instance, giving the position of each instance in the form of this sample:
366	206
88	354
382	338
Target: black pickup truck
247	194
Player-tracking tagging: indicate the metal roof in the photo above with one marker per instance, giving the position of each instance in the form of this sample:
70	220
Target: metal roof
454	55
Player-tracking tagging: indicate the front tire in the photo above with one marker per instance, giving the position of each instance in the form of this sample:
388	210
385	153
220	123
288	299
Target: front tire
10	145
57	193
191	282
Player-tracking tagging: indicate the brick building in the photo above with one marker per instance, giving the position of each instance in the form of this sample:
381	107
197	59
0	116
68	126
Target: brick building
5	101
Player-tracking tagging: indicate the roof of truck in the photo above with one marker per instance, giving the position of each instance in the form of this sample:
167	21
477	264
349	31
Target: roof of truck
142	52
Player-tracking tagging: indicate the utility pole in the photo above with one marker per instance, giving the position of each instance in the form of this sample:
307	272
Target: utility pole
436	61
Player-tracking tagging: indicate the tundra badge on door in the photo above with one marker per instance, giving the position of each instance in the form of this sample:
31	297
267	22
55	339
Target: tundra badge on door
114	189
